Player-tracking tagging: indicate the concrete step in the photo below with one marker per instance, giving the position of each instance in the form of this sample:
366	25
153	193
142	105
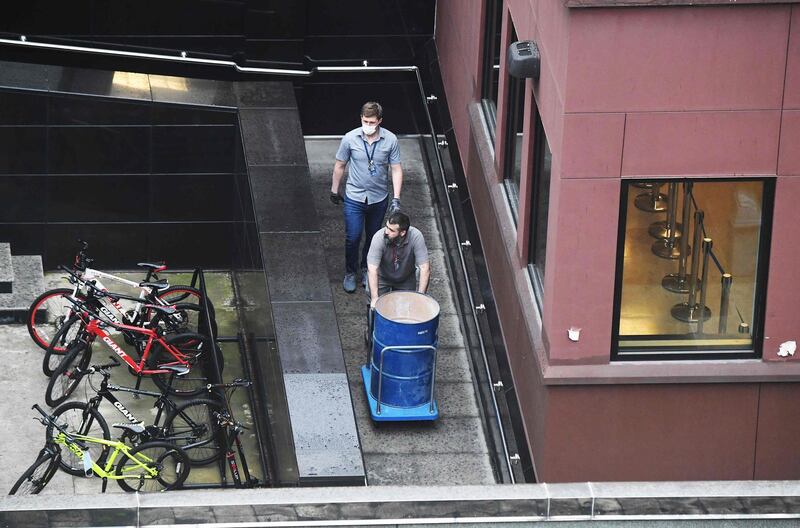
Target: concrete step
28	284
6	269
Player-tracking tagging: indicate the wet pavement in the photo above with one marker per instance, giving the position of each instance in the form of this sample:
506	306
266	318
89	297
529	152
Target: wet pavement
453	449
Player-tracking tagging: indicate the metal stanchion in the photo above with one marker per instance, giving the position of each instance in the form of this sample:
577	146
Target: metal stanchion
665	228
679	282
667	247
724	301
708	244
690	311
653	201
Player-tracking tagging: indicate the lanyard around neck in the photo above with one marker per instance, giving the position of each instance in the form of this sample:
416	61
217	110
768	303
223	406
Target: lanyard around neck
370	155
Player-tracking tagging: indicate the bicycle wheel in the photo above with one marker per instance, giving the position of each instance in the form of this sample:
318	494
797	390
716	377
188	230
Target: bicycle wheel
153	466
36	477
187	320
47	314
193	427
195	348
68	374
65	335
79	418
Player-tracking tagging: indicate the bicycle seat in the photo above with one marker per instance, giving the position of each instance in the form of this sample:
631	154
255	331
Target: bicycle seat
135	428
179	370
161	284
150	265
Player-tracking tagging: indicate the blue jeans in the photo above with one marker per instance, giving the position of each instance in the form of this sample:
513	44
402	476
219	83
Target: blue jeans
359	218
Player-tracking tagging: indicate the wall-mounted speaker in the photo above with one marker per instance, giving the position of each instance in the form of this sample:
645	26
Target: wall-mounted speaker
523	59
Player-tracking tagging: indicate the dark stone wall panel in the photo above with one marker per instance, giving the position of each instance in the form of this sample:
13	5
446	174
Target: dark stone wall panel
81	111
193	149
97	198
23	150
23	198
283	198
21	108
192	197
275	137
96	150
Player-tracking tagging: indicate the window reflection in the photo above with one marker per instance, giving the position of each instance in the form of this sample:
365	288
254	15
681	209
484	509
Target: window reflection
677	233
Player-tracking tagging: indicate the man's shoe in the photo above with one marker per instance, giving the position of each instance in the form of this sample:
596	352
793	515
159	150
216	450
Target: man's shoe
349	282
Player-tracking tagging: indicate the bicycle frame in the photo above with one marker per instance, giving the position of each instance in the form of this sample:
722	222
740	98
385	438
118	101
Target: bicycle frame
106	392
90	274
230	457
233	430
94	329
106	471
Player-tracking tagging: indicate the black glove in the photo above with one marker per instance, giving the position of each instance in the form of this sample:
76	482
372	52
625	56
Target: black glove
394	206
335	198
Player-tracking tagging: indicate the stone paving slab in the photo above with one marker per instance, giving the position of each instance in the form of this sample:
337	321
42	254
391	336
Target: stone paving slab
446	435
409	469
327	443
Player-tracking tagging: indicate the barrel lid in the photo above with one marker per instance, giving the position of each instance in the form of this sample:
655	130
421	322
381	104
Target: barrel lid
408	307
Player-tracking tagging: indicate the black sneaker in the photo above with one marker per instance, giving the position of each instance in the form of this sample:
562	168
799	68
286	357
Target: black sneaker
364	277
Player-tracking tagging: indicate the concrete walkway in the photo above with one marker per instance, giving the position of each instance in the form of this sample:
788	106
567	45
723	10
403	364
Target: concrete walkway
452	450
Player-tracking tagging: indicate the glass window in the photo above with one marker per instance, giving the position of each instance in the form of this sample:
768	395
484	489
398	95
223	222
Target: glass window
540	189
490	75
691	267
516	116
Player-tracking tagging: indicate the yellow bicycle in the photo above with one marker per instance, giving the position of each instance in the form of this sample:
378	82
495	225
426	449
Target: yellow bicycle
150	466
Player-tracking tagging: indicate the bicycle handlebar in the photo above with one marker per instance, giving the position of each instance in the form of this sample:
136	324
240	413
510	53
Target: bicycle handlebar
48	420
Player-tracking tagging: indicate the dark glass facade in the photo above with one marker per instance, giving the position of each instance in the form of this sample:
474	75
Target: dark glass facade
138	180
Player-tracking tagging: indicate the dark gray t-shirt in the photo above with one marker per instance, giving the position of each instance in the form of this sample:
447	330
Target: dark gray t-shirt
397	263
361	184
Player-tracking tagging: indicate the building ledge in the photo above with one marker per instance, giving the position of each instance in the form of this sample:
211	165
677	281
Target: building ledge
653	372
661	3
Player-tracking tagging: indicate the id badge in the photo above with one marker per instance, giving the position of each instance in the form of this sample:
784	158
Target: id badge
372	169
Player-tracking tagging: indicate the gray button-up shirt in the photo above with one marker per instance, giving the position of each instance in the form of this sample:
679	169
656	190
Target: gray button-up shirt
361	185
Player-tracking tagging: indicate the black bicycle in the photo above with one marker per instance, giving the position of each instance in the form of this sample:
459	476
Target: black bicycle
231	430
190	425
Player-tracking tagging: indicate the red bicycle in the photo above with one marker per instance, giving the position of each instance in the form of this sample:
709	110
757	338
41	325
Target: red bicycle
168	360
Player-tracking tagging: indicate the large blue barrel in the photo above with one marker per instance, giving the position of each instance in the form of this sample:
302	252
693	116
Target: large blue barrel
404	318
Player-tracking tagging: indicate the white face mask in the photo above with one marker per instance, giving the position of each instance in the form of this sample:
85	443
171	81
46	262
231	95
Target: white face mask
369	129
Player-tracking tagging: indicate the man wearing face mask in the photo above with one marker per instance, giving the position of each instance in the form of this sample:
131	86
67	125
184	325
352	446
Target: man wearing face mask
394	255
371	152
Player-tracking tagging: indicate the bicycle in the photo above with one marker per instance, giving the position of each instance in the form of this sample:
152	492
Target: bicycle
50	310
189	425
231	431
166	359
92	302
150	466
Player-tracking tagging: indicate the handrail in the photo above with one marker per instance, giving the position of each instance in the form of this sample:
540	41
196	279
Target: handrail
365	68
183	57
